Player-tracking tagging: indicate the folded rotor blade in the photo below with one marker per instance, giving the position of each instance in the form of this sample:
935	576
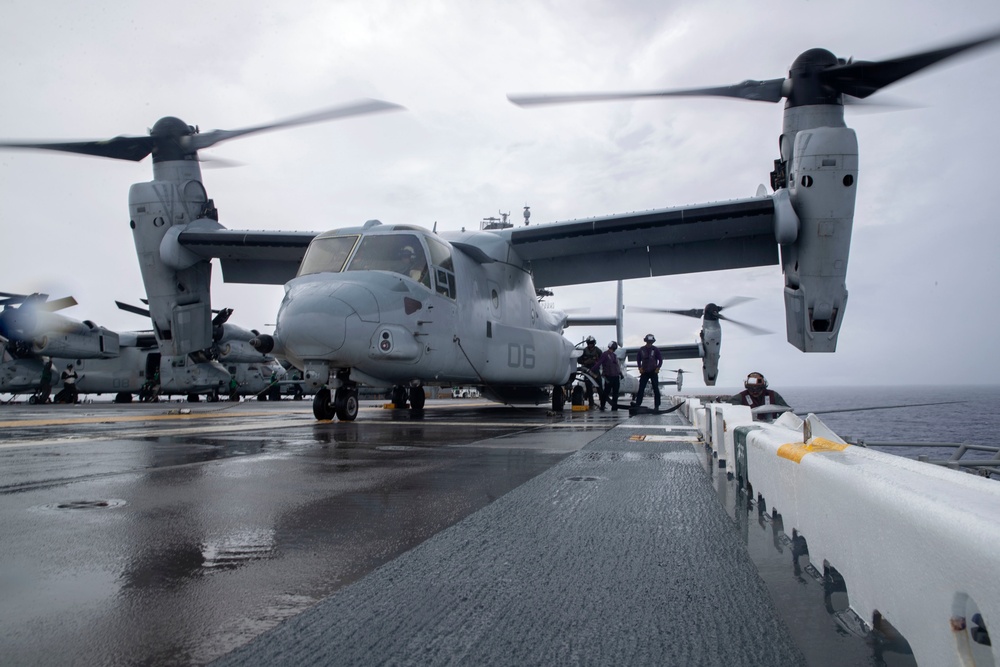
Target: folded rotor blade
58	304
132	309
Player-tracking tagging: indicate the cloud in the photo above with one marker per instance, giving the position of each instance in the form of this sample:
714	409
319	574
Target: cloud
921	272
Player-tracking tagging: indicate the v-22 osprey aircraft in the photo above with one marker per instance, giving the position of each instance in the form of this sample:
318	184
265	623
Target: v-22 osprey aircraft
398	305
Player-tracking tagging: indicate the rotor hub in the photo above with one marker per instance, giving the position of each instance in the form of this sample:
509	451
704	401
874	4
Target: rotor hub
807	86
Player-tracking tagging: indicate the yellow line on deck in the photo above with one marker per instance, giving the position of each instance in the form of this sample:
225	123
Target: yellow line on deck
108	419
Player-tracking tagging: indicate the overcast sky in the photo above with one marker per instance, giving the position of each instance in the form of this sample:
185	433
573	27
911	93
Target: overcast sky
924	269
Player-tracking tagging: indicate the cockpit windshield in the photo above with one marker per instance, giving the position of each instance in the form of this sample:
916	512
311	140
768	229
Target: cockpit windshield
399	253
327	255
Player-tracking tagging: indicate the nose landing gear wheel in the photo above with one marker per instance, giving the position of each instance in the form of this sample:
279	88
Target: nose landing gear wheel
346	404
322	408
417	398
399	397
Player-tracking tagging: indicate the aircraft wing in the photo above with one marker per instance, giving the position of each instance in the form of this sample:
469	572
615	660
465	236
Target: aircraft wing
266	258
685	239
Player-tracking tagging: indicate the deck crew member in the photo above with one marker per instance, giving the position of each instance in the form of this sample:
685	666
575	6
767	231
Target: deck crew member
649	360
756	394
607	364
69	378
587	360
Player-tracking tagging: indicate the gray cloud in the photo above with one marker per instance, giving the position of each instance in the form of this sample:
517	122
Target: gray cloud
923	272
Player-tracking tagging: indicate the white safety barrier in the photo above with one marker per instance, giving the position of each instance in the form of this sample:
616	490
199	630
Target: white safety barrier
915	543
721	420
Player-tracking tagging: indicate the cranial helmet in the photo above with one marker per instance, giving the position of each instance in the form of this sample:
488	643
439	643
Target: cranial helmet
755	381
406	252
69	365
591	340
613	345
650	338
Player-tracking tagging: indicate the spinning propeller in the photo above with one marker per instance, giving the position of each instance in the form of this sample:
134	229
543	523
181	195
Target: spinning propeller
816	77
173	139
712	311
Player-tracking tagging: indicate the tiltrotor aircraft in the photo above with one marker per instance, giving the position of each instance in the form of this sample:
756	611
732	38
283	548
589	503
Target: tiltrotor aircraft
397	305
707	347
252	373
32	335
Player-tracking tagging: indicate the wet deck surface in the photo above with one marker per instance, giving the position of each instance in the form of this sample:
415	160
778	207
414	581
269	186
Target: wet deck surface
618	555
252	534
135	536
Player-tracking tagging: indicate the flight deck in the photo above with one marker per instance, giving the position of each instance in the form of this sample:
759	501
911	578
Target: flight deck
250	533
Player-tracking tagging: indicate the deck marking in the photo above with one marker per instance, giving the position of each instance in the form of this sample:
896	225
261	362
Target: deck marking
664	438
306	420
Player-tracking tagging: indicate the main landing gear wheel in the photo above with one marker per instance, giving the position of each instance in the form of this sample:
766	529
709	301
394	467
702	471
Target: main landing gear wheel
558	398
322	407
346	404
417	398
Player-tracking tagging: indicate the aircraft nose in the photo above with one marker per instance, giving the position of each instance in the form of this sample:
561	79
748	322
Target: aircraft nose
312	325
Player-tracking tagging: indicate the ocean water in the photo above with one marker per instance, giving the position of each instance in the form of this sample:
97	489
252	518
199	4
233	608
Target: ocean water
965	414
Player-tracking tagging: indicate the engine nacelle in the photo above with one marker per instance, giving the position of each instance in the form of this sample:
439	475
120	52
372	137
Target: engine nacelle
86	342
822	182
20	375
711	344
177	282
182	375
239	351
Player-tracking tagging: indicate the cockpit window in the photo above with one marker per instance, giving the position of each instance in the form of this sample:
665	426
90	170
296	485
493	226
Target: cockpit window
399	253
444	267
327	255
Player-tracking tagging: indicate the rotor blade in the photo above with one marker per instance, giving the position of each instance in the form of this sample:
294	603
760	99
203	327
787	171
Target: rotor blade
219	162
222	316
58	304
756	331
132	309
690	312
862	78
119	148
591	321
360	108
11	299
881	106
735	301
762	91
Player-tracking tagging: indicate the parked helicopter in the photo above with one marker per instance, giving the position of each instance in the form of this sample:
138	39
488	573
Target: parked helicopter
400	305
